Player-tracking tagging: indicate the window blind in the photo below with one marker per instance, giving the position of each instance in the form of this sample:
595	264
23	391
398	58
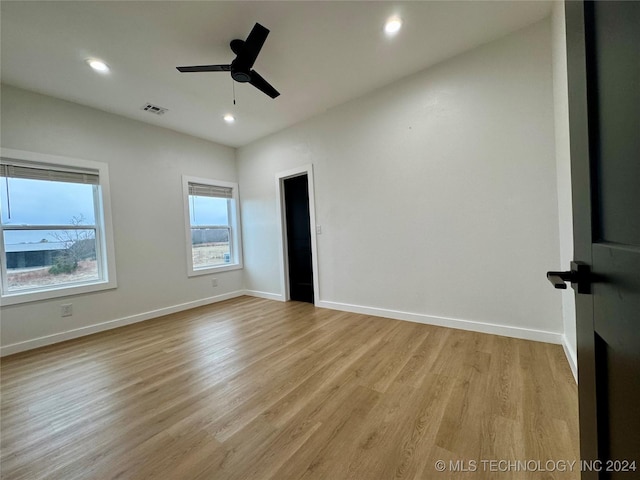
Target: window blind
52	174
201	190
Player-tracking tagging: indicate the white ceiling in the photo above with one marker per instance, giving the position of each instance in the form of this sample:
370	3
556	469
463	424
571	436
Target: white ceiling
319	54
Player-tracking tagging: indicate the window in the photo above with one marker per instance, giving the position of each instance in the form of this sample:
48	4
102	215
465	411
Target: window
54	214
212	225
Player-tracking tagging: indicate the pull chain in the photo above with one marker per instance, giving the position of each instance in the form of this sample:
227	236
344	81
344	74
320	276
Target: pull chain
233	86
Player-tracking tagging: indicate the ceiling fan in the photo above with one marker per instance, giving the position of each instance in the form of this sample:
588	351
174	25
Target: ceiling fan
246	53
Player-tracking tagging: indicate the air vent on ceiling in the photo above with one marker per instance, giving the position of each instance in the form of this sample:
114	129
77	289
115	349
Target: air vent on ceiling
155	109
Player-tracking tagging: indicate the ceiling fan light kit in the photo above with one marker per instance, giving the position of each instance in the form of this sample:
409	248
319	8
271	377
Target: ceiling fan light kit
241	67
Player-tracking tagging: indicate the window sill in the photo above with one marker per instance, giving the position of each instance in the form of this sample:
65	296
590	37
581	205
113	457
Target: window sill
216	269
16	298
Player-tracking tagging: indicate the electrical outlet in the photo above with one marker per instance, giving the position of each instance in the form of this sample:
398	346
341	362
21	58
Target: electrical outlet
214	282
319	229
66	310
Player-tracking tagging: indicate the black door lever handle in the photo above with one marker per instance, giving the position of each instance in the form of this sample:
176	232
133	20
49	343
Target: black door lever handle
558	279
579	276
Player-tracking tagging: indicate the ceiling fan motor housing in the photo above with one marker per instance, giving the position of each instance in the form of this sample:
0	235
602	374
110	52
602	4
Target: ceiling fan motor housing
240	76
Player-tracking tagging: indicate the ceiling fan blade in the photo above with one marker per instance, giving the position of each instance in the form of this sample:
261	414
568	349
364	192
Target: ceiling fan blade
262	85
252	46
205	68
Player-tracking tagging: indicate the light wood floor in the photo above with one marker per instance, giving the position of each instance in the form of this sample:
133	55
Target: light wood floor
256	389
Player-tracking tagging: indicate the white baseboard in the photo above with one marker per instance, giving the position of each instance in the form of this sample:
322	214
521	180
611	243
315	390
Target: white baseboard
267	295
482	327
571	358
516	332
108	325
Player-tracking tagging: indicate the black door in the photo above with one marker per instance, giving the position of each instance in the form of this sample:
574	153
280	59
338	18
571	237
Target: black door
296	200
603	52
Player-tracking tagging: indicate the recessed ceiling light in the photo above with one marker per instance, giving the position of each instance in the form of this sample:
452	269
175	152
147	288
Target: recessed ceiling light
98	65
393	25
229	118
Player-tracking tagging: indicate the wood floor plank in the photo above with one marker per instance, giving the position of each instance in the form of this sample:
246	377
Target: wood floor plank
252	389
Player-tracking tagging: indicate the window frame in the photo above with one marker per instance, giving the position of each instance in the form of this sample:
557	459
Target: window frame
105	250
235	236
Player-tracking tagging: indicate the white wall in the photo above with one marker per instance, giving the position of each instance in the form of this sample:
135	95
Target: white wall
436	195
145	167
563	169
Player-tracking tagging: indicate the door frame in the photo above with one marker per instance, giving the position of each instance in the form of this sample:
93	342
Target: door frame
282	240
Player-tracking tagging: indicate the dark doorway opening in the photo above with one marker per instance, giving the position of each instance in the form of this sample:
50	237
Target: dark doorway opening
298	226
